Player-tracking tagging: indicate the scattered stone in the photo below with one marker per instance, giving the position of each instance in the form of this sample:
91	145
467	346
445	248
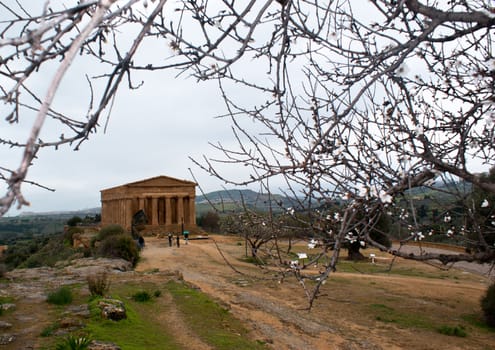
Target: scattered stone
90	266
69	322
112	309
6	339
98	345
78	310
7	306
242	283
5	325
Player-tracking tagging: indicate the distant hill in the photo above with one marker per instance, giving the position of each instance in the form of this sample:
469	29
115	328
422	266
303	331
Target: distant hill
232	200
80	212
227	200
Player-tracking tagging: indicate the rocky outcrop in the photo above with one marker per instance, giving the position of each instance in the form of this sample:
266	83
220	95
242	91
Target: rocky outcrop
112	309
30	287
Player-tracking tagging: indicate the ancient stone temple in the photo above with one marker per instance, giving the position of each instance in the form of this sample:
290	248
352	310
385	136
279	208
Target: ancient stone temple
167	202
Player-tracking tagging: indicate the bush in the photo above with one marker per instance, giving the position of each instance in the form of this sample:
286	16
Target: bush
99	284
61	296
488	306
110	230
69	234
141	296
209	221
119	246
74	221
49	254
457	331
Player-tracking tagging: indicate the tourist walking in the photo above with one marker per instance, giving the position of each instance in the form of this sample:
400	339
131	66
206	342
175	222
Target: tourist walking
169	239
178	241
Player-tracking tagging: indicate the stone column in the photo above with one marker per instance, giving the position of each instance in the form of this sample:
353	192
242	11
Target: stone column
168	211
192	211
180	209
128	213
104	212
141	203
154	211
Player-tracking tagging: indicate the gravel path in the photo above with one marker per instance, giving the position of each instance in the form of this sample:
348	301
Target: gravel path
486	270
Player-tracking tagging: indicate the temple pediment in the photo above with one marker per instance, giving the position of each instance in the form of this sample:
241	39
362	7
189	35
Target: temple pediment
158	181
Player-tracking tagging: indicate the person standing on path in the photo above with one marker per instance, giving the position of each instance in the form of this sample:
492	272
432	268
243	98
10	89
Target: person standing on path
178	241
169	239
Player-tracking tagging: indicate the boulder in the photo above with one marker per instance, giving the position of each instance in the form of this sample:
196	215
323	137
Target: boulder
112	309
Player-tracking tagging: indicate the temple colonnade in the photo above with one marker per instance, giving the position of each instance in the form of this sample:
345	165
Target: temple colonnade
167	208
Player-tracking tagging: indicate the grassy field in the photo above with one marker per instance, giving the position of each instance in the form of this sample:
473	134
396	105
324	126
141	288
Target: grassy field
148	325
362	306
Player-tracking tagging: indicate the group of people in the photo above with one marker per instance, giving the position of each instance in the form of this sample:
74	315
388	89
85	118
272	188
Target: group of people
170	238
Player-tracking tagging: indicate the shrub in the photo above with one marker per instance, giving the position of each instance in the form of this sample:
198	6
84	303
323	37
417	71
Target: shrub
457	331
52	251
74	343
119	246
157	293
61	296
141	296
73	221
99	284
69	234
110	230
488	306
210	221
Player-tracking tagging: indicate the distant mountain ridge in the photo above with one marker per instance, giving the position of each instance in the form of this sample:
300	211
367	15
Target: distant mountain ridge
229	198
80	212
234	198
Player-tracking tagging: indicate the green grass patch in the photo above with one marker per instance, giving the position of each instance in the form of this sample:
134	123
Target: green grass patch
255	260
456	331
381	307
6	300
137	332
213	324
403	318
367	267
50	329
62	296
141	296
477	320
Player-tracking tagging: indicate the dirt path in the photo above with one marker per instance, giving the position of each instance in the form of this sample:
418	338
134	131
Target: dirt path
354	312
275	313
273	320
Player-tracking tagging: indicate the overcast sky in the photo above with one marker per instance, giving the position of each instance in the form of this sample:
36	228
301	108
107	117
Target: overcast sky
151	131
